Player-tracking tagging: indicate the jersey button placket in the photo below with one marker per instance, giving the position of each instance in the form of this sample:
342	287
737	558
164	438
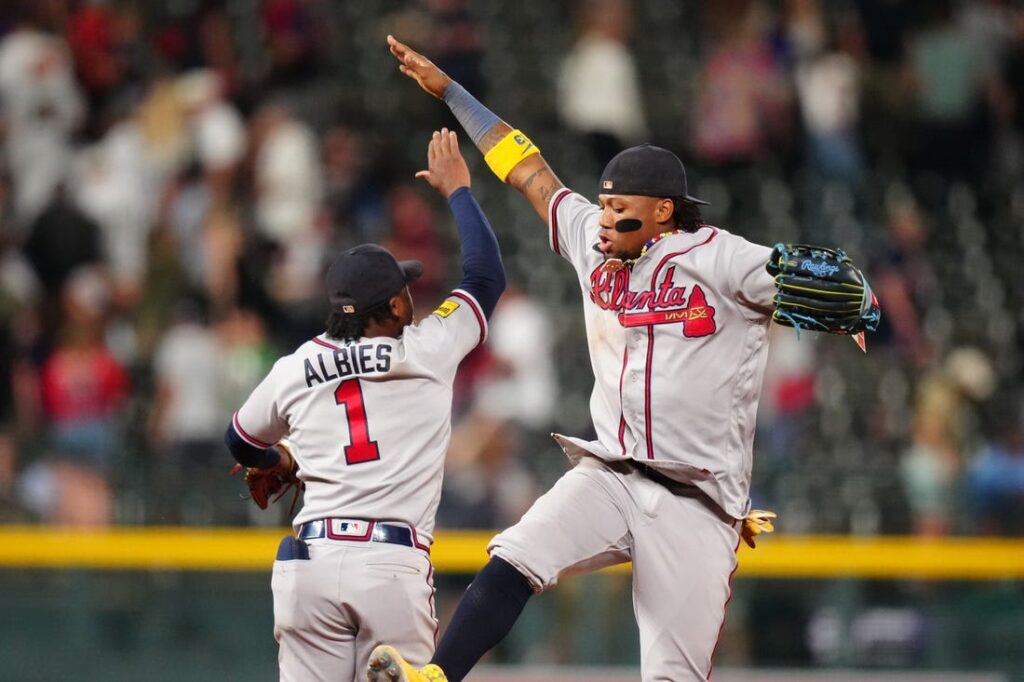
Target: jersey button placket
635	356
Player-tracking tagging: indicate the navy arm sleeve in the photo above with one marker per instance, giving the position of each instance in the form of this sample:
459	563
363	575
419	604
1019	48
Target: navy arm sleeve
249	455
483	272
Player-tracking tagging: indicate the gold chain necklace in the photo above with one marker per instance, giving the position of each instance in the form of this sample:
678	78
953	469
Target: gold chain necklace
615	264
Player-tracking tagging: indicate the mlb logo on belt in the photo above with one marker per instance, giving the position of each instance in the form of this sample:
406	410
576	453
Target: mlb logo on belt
348	528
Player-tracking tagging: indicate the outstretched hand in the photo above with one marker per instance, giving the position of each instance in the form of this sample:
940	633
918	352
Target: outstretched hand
419	68
446	169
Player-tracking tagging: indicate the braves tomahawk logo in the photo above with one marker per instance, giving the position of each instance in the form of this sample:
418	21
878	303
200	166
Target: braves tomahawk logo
665	303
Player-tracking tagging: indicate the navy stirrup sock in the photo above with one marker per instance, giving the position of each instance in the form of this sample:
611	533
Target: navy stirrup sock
485	614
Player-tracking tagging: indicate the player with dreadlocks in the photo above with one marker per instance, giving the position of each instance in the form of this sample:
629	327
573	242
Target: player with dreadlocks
677	316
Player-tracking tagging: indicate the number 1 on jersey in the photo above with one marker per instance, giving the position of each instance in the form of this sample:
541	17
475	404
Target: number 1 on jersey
350	395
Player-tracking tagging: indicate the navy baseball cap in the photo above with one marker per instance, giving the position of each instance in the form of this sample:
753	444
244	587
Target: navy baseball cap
366	276
648	171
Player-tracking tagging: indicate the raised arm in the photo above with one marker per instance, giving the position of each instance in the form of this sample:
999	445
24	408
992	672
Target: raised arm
513	158
483	272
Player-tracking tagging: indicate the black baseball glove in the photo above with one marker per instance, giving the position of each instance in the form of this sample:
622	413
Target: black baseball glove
821	289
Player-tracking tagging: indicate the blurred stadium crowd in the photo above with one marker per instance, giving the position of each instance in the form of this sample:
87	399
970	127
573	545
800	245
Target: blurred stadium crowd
175	177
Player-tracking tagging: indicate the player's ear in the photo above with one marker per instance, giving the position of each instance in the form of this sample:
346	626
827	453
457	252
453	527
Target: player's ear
663	210
401	303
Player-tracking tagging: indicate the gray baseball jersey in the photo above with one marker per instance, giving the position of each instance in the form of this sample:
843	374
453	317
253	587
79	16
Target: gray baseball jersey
678	346
369	424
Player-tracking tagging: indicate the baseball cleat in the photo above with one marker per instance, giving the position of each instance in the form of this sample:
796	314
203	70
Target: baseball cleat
387	665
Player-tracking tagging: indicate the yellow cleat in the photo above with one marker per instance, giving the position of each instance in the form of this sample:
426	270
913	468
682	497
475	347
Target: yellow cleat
387	665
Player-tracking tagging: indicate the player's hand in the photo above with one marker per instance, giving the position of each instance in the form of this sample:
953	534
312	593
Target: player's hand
263	484
446	169
419	68
286	465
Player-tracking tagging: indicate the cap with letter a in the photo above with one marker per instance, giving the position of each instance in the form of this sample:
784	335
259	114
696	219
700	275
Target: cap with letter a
367	276
646	170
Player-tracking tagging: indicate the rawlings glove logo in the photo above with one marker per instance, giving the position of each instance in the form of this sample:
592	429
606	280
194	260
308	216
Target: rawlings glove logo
819	269
836	300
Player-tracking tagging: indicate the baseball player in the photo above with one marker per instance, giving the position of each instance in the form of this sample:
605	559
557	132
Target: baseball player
366	411
677	317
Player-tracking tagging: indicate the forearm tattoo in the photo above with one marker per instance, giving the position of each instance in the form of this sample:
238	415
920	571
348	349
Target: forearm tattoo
525	185
545	186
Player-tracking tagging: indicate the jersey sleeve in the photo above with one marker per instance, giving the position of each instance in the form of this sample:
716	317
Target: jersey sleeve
749	282
259	421
442	339
572	225
484	273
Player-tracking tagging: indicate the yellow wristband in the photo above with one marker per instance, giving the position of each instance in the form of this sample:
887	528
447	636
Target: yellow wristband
505	155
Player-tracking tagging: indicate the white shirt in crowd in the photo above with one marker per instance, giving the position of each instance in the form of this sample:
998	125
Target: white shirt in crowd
599	90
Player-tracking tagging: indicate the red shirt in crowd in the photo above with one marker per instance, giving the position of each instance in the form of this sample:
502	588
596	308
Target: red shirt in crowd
81	384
